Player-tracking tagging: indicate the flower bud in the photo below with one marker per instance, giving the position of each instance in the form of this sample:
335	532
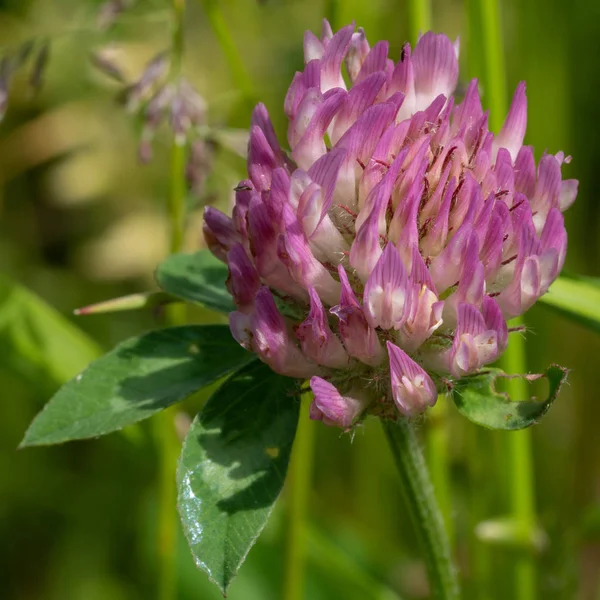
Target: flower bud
412	388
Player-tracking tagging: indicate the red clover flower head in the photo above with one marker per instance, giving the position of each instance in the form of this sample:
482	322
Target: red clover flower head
384	253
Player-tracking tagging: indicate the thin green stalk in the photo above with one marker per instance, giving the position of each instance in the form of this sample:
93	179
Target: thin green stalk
422	507
168	444
517	444
168	448
332	13
419	12
493	76
177	190
298	489
437	460
232	56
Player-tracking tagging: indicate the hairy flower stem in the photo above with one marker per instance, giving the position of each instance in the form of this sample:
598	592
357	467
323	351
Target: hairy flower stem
168	444
517	444
423	508
298	489
437	460
520	465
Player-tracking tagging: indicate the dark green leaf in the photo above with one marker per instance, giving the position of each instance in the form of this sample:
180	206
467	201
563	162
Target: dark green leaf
233	465
577	298
477	399
198	277
140	377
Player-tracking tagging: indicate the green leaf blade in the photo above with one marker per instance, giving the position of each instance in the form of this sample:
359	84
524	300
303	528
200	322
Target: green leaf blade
197	277
477	399
233	466
139	378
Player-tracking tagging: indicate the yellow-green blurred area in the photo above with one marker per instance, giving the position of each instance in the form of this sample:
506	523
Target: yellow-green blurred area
82	221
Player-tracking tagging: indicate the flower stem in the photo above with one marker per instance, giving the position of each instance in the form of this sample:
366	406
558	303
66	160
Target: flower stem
298	488
437	460
232	56
423	508
419	12
517	444
166	438
520	465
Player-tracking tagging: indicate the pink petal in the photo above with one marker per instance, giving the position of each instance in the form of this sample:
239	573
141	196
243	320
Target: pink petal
294	251
361	96
412	388
243	281
445	268
318	342
375	62
313	47
492	315
331	407
311	145
261	119
261	159
357	53
513	131
360	339
271	342
436	68
525	176
219	232
568	193
335	51
266	259
386	291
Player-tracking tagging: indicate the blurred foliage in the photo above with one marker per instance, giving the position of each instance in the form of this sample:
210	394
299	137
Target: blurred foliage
81	221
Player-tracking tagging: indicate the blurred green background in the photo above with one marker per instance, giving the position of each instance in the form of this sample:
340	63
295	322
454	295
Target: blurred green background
82	221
